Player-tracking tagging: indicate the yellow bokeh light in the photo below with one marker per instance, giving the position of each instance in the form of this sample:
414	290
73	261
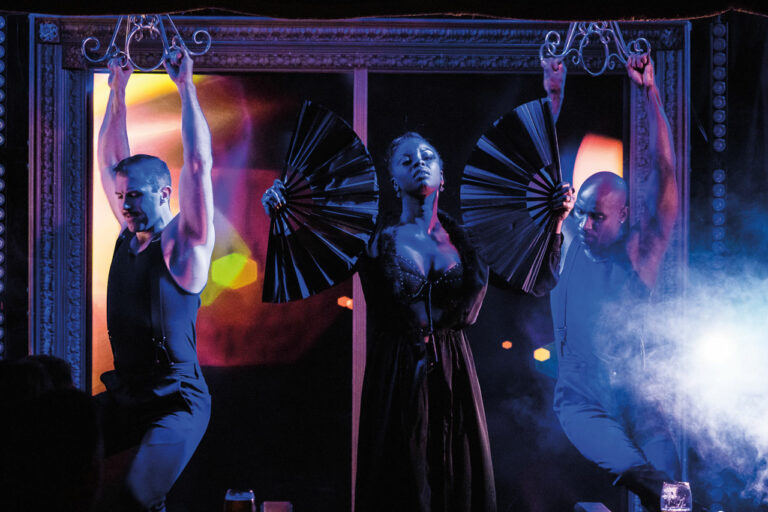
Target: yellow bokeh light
597	153
541	354
234	271
210	293
225	270
248	275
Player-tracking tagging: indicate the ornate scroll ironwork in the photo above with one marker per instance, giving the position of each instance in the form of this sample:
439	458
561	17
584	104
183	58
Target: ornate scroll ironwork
252	44
578	40
138	28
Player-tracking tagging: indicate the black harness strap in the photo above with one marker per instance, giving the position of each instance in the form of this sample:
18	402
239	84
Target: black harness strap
162	357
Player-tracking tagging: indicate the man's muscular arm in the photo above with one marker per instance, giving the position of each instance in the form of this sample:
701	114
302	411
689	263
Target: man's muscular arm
649	239
113	135
188	252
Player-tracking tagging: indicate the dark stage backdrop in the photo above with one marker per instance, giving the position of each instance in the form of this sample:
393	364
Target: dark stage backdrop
745	158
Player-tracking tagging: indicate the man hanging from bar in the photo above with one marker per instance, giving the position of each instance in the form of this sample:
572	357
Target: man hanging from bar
156	398
608	266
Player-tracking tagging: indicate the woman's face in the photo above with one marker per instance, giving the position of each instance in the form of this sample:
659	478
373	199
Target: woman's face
416	168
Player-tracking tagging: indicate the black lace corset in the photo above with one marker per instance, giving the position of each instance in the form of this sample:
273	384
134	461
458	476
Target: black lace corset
405	302
437	291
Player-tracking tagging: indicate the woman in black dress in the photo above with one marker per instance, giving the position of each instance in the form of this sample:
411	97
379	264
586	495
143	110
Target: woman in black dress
423	443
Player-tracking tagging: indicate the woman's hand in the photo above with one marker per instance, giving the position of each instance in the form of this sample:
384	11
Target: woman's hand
562	201
274	198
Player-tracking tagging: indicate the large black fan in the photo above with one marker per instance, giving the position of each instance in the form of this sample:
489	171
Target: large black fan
507	192
332	199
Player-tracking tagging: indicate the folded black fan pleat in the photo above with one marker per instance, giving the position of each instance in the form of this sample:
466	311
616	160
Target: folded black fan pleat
331	207
506	191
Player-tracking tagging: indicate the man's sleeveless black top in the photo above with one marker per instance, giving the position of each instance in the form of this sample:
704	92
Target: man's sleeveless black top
130	302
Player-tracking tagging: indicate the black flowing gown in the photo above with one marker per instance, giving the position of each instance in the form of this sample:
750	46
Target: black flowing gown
423	442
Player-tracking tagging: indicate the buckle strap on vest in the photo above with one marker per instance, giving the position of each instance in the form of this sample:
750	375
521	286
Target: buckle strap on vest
160	342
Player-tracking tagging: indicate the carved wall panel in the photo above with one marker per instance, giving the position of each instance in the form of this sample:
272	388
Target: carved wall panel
59	292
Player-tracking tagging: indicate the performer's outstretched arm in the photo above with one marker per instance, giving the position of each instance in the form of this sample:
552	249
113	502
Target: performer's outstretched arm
649	239
113	135
189	252
554	83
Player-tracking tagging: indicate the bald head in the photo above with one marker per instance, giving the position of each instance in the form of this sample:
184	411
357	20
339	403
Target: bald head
601	210
605	183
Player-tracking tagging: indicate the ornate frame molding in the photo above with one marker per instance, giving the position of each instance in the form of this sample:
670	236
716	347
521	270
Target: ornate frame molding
257	44
59	207
60	134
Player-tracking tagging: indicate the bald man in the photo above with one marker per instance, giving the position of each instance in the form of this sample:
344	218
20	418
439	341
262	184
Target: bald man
610	265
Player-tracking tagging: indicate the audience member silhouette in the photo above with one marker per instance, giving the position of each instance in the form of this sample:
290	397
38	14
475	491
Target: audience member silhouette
52	446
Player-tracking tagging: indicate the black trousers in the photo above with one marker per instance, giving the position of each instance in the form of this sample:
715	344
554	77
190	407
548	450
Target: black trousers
166	423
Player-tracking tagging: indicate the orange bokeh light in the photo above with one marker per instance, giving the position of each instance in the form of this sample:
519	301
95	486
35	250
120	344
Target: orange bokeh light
597	153
344	302
506	345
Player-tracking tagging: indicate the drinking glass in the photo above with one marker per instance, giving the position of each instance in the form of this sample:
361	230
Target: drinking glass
239	500
276	506
676	497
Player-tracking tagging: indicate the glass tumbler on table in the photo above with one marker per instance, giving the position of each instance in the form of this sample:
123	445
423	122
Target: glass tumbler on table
676	497
239	500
